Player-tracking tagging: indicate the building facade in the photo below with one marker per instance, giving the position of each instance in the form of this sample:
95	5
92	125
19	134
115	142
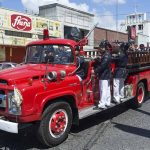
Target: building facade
70	17
142	26
17	29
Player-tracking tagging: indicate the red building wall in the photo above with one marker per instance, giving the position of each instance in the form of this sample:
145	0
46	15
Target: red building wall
105	34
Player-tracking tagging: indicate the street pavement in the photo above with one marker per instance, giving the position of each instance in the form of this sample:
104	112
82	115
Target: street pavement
119	128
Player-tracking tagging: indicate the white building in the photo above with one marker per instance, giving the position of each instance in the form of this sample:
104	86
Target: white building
142	25
70	17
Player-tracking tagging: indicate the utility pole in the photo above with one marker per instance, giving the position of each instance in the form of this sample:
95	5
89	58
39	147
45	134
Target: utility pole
117	20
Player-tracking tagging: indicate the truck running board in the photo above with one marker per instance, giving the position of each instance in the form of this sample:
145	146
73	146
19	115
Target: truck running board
88	111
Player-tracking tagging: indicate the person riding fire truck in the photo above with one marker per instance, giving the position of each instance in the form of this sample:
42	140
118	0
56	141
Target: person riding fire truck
103	70
49	94
120	72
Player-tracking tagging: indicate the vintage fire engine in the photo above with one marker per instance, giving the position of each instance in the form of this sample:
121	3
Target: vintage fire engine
50	94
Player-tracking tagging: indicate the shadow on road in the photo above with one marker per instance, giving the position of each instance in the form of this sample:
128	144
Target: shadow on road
133	130
100	117
22	141
142	111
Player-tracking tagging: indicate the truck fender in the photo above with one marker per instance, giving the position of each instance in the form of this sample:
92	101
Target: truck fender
57	96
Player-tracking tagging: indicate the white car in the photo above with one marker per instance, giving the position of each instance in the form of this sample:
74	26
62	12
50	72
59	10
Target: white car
5	65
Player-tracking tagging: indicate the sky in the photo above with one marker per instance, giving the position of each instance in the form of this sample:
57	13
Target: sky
108	13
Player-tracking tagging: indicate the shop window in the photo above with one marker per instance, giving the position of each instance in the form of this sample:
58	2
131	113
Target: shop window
18	34
41	37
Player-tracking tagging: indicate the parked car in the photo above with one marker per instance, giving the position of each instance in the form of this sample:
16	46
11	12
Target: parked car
5	65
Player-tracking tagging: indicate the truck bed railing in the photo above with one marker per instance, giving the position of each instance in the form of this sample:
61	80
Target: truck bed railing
139	58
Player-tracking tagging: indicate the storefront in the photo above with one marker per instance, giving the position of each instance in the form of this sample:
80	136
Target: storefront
18	29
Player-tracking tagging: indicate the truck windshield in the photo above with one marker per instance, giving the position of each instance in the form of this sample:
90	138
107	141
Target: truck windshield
56	54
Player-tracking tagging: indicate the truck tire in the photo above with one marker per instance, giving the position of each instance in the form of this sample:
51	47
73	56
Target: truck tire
140	95
55	124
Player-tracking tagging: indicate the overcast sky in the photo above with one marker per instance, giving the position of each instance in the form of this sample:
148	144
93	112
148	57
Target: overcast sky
104	10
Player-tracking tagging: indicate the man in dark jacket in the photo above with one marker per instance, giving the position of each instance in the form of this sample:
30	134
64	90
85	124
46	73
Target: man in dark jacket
103	70
120	72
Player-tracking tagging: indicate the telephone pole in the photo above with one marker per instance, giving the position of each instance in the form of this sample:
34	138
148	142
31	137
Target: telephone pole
117	20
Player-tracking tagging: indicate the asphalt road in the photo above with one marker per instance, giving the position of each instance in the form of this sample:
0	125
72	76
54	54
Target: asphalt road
119	128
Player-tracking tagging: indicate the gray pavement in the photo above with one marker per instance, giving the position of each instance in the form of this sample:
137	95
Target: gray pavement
119	128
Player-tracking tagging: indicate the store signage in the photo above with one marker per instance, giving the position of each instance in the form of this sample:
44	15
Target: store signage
21	22
133	33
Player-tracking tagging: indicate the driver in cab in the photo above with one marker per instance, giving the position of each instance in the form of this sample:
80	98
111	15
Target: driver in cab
49	57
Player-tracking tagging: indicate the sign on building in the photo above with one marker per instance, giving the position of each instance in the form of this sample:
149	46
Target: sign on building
18	29
21	22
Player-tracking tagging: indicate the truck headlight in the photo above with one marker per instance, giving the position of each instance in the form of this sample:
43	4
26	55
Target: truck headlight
52	76
14	102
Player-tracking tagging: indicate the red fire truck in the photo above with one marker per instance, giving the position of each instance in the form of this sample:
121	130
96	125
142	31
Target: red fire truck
50	95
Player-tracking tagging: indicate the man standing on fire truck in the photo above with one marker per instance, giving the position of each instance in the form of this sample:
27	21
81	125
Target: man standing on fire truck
103	69
120	72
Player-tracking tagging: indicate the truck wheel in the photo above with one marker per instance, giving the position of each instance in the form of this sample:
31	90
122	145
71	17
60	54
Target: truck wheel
140	95
55	124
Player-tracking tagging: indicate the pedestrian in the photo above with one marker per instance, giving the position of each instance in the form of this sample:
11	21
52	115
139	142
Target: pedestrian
120	73
103	70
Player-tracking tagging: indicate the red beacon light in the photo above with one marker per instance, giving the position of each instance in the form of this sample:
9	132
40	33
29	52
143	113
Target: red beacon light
45	34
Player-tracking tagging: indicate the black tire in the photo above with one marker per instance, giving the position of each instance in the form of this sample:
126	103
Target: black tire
55	124
140	95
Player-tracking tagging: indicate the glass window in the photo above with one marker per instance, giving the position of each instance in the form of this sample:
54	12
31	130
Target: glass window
0	66
14	64
5	66
18	34
56	54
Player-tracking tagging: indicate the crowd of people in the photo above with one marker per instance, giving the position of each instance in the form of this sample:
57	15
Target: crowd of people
138	48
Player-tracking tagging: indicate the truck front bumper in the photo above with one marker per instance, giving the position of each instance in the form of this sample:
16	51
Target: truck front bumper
8	126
